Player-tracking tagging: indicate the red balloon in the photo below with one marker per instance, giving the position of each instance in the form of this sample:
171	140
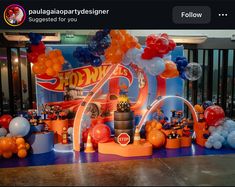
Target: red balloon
40	48
32	57
213	114
101	133
5	120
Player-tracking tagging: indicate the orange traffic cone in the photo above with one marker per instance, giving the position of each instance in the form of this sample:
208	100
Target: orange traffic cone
137	136
89	146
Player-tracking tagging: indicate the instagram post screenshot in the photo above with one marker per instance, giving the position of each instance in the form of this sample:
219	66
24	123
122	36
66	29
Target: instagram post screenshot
117	93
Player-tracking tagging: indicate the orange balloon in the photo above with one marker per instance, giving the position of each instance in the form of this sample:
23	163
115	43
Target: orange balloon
22	153
123	32
55	61
50	72
57	67
170	70
21	146
20	141
42	58
52	54
153	124
58	52
199	108
60	59
39	68
48	63
113	33
156	138
14	147
7	154
27	146
6	144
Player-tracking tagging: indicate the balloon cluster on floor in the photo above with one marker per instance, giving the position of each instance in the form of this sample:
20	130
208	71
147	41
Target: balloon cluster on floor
45	60
99	132
13	145
12	132
221	129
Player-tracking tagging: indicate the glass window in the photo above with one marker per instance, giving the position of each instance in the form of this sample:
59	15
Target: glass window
24	78
4	81
15	61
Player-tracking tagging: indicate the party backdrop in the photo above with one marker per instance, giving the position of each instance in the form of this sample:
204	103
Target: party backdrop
53	90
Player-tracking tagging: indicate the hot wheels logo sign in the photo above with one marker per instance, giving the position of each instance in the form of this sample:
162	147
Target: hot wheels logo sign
81	77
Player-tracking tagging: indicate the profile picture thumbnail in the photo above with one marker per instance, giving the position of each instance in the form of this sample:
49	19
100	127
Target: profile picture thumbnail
14	15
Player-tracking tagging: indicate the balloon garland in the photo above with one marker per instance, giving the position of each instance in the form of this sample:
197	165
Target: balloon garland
157	46
93	54
44	61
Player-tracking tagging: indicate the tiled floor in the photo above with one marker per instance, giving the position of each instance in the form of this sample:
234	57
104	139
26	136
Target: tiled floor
213	170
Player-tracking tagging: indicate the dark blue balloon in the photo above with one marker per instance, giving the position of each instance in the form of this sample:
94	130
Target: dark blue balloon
88	58
106	31
180	68
67	66
179	62
92	46
35	38
105	42
31	35
184	63
206	104
96	62
81	59
100	51
99	35
38	37
180	58
182	75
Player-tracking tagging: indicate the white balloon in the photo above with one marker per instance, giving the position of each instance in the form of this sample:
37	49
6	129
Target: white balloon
231	139
70	130
211	129
217	145
48	49
211	139
3	132
193	71
9	135
208	145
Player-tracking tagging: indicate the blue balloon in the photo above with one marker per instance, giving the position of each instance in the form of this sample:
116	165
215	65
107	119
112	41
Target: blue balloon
231	139
100	50
126	61
217	145
67	65
132	53
96	62
105	42
208	145
106	31
155	66
19	127
31	35
92	46
206	104
3	132
182	75
99	35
